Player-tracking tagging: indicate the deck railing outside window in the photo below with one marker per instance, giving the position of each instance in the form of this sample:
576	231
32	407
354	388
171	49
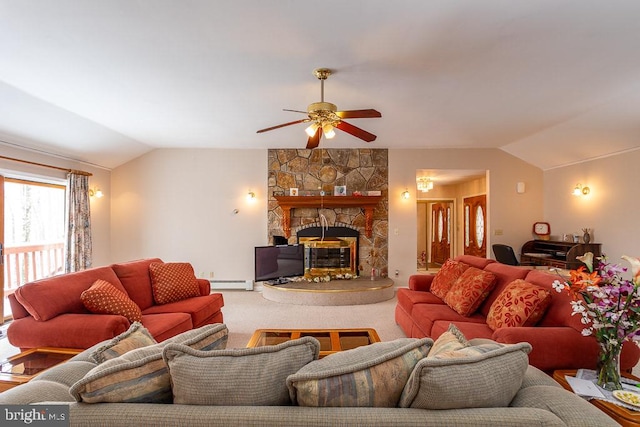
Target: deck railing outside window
25	263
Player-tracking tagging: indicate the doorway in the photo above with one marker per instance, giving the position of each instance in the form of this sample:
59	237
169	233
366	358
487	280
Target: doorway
440	214
475	229
436	234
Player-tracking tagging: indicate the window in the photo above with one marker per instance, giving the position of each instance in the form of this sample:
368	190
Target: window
34	229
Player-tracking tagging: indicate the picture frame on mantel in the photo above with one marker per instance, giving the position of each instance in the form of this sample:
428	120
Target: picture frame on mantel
340	190
293	191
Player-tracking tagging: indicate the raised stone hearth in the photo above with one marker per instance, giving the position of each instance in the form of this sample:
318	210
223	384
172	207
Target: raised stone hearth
362	290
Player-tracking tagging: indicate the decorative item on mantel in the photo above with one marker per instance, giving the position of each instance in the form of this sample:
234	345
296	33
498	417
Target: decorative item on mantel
586	237
609	304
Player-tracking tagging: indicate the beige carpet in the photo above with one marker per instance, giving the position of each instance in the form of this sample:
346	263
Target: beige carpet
246	311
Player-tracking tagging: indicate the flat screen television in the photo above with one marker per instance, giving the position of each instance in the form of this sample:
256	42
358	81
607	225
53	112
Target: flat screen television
277	263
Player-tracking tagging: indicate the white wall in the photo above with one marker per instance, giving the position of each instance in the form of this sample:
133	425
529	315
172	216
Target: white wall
508	211
100	208
177	204
612	209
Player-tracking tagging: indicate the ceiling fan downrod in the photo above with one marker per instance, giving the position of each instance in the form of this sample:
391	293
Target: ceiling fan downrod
322	74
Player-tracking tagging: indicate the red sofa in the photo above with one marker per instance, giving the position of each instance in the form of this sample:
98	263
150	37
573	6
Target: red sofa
556	339
50	313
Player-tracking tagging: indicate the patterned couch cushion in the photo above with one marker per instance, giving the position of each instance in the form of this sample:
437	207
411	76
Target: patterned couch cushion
173	281
237	377
519	304
468	292
485	375
451	340
140	375
446	277
371	375
137	336
104	298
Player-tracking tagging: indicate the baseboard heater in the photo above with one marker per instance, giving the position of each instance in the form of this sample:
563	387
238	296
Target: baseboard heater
231	284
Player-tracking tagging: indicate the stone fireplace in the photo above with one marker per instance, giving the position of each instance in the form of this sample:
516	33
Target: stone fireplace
329	250
312	173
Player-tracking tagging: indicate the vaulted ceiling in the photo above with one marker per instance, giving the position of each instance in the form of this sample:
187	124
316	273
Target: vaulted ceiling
553	82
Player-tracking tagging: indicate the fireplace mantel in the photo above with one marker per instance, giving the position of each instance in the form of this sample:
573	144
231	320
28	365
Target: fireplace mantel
368	203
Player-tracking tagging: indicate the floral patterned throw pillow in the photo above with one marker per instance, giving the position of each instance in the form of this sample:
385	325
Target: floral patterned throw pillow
446	277
470	290
519	304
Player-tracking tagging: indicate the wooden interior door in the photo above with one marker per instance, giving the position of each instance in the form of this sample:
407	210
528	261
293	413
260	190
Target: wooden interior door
440	232
475	225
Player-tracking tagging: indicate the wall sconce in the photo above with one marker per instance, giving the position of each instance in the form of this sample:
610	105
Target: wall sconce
95	192
579	190
251	196
405	194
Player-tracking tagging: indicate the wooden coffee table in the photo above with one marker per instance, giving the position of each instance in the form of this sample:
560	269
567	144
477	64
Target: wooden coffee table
331	340
22	367
623	416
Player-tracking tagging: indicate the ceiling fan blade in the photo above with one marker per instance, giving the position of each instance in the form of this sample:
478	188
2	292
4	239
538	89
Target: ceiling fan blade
356	131
314	140
283	125
295	111
358	114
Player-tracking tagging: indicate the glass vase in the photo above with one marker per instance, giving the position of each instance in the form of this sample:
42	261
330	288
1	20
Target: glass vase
609	367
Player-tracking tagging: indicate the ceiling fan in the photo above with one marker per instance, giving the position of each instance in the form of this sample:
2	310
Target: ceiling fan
325	117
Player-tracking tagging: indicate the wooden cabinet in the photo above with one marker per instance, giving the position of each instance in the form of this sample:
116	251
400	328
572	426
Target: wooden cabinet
556	254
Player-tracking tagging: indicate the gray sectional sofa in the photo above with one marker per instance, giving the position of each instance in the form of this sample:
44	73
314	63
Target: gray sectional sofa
268	386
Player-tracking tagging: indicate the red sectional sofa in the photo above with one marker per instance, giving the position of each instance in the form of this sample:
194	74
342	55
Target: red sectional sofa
50	312
556	338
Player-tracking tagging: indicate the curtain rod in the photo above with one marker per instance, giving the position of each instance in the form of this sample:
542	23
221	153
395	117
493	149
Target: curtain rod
77	172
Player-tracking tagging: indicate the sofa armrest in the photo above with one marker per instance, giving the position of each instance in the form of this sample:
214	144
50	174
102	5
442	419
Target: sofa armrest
205	286
68	330
17	310
420	282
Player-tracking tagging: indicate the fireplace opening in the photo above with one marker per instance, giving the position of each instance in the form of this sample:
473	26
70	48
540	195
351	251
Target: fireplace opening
329	250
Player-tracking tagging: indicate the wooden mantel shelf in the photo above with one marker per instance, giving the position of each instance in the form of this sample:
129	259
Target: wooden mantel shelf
368	203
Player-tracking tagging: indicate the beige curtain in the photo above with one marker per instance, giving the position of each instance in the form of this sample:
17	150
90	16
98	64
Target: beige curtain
78	239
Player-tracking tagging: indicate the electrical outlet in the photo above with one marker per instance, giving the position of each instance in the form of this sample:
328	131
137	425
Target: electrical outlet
211	275
497	232
396	231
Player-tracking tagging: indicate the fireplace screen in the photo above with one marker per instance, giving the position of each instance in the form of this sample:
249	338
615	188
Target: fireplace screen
330	254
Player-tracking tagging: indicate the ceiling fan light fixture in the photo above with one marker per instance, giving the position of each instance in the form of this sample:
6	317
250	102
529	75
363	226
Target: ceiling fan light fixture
325	117
311	130
328	131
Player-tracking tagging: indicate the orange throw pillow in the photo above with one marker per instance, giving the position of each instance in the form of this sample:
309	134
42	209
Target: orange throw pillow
468	292
173	281
104	298
519	304
446	277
